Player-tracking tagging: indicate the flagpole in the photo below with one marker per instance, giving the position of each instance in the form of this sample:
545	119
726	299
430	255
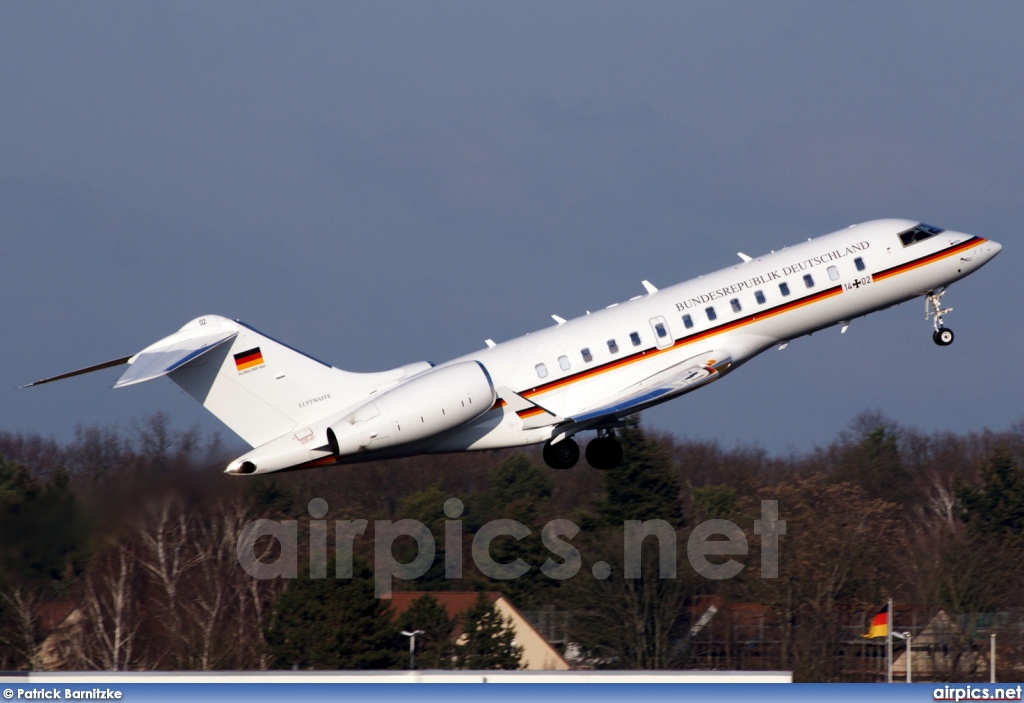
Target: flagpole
888	642
910	654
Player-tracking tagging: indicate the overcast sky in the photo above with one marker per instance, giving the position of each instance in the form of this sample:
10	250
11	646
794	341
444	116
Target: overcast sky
380	183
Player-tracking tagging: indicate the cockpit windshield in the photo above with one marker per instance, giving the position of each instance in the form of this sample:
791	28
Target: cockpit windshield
919	233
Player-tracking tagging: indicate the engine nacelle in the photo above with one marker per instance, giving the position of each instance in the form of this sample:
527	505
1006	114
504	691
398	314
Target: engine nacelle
432	402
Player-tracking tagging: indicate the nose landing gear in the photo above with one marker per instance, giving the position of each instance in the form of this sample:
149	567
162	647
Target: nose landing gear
943	336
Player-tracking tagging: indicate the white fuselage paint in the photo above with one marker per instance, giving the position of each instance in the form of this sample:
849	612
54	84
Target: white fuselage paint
298	412
742	335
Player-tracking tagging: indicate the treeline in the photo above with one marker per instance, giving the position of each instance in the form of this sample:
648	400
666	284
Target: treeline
128	541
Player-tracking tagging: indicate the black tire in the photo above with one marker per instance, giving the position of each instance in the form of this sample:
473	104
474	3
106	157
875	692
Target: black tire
604	453
563	455
943	336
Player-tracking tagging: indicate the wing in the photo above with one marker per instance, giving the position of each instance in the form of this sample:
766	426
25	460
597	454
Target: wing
532	414
664	385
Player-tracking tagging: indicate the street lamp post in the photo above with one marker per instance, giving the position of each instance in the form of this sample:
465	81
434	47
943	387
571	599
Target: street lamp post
412	647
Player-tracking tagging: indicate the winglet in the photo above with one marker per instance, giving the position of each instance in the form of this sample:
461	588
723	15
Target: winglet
744	257
651	288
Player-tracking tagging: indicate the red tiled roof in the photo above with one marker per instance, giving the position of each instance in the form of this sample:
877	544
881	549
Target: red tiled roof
455	603
53	614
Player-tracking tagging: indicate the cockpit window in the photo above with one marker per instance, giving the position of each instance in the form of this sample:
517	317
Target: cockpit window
919	233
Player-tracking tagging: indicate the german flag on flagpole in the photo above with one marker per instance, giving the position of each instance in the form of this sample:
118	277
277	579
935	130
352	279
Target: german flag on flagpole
879	624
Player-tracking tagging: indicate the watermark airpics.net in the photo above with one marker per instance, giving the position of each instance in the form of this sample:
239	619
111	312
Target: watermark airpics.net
555	536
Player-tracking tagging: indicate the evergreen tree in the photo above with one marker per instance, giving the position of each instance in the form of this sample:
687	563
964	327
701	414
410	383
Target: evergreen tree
713	502
631	623
427	507
333	624
996	507
517	490
487	642
642	486
42	540
434	646
874	463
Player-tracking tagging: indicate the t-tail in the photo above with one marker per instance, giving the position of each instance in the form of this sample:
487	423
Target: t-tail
272	396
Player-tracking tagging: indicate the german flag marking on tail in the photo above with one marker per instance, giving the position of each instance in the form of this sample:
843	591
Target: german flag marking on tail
248	359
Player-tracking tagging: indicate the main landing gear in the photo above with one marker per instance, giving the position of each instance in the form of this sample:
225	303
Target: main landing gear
604	452
943	336
563	455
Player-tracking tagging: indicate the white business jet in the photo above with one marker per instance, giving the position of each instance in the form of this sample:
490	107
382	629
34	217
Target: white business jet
580	375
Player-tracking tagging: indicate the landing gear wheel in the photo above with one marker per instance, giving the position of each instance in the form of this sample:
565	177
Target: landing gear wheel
563	455
604	453
943	336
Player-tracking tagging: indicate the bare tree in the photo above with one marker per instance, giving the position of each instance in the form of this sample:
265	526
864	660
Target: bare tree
106	637
253	598
168	552
23	604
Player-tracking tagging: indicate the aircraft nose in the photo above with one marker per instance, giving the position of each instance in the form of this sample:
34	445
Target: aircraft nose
993	248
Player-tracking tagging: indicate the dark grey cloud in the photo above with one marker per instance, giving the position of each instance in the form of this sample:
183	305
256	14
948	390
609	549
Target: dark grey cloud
379	183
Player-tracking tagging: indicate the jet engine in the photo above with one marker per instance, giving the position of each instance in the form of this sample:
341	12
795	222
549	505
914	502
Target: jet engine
436	400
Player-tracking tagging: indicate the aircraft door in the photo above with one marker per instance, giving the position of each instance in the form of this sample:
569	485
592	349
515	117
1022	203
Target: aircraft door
662	336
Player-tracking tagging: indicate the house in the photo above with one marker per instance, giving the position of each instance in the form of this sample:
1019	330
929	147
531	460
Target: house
941	648
538	653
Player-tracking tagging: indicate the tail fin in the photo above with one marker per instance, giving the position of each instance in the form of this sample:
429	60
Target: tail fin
263	389
260	388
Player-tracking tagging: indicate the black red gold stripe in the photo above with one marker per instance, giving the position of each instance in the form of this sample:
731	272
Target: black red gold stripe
925	260
689	339
743	321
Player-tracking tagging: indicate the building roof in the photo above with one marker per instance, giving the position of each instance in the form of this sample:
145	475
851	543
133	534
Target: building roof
538	653
455	603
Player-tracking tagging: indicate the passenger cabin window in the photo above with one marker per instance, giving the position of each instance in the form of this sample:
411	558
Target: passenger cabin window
563	363
659	329
919	234
859	263
634	338
712	315
613	346
587	356
808	281
687	321
784	288
759	297
542	370
833	273
735	303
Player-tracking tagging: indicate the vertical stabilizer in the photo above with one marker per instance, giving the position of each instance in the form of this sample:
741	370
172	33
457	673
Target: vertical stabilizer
260	388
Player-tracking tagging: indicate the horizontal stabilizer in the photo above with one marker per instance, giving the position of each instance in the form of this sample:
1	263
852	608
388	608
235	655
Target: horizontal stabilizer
79	372
169	354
